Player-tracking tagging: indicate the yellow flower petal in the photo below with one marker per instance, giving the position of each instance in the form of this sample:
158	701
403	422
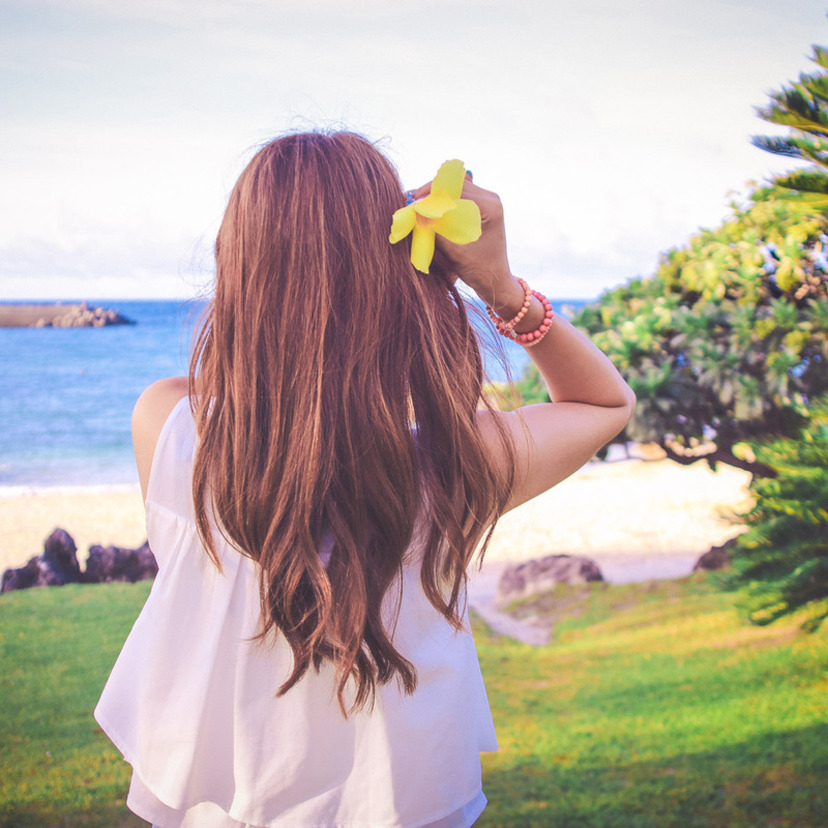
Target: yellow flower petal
461	225
441	211
402	224
422	247
449	179
434	204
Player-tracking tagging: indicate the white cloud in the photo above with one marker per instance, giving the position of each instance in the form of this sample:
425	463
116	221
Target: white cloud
612	131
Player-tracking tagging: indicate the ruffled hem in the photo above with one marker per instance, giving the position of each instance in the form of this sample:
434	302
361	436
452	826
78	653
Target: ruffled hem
144	804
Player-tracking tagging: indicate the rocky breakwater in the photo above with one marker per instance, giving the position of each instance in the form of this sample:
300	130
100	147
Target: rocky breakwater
58	315
58	565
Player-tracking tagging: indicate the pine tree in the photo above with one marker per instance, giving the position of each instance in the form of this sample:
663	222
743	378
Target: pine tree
803	108
781	561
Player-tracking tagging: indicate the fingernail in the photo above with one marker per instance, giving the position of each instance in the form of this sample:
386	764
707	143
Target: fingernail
469	175
409	197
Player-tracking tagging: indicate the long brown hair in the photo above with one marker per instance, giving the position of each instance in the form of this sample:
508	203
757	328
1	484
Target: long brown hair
334	390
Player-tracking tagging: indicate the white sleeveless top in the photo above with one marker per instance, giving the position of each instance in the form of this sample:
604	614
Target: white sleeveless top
191	700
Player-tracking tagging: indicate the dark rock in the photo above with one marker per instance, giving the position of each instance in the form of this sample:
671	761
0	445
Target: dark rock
112	563
532	577
58	565
22	578
717	557
60	555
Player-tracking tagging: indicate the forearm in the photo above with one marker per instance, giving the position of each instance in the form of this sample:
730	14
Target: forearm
573	368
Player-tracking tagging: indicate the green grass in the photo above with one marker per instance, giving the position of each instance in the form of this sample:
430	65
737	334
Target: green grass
56	649
655	705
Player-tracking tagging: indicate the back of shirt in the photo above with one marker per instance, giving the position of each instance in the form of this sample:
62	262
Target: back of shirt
191	700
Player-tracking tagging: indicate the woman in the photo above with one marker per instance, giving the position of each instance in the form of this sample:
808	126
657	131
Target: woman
315	491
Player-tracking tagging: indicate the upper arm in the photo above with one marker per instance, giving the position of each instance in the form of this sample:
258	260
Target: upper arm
148	417
552	440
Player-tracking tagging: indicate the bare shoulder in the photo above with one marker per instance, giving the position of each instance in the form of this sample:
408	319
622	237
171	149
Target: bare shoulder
148	417
162	393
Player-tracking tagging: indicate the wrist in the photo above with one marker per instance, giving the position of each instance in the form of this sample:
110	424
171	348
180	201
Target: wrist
505	297
530	324
533	318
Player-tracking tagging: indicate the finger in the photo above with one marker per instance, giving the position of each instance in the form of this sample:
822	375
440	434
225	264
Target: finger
470	189
422	191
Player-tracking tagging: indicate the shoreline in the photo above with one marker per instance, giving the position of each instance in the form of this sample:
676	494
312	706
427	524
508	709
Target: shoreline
36	489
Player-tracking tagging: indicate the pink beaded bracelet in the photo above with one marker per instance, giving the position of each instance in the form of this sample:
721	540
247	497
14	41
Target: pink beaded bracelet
530	338
501	324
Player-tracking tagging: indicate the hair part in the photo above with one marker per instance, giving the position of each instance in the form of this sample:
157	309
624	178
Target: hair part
334	390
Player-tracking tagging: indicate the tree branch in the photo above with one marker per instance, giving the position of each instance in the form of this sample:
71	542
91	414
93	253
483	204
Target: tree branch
718	455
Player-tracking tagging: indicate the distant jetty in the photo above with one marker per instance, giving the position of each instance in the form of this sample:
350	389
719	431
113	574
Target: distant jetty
58	315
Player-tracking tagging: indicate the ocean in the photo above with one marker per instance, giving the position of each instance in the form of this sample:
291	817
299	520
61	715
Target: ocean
66	394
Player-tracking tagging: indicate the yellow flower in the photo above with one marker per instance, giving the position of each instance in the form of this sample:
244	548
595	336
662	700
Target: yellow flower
441	211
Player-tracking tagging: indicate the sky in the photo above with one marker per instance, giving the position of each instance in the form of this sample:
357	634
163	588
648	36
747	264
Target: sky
612	131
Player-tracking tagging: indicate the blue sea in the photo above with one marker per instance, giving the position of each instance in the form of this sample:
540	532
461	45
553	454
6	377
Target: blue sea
66	394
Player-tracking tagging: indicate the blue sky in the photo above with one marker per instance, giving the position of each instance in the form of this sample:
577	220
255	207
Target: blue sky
611	130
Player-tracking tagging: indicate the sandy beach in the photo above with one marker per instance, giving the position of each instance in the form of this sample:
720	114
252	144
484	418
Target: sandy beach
90	514
636	518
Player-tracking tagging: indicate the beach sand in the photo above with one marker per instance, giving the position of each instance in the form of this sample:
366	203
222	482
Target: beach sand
636	518
91	515
639	520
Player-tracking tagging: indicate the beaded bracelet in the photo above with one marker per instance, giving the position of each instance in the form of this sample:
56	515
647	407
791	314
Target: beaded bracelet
501	324
533	337
530	338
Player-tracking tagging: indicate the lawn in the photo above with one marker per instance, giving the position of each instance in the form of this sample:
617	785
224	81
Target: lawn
655	705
